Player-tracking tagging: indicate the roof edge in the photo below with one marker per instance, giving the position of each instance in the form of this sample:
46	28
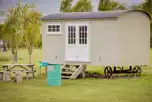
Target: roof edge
141	12
125	11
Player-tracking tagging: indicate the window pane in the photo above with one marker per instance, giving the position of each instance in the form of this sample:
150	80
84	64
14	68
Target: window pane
83	35
79	35
68	41
58	27
71	28
53	30
53	26
86	28
71	41
57	30
49	30
69	35
49	26
72	35
82	41
82	28
85	41
79	41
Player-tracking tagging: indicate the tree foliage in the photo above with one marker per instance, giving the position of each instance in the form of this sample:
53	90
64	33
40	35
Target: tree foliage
147	6
31	30
66	6
1	30
83	6
80	6
109	5
13	28
21	24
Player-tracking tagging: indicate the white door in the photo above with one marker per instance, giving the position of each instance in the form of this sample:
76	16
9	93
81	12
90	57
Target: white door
77	43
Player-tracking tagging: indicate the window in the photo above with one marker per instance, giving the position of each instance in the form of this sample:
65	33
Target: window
54	28
82	34
71	35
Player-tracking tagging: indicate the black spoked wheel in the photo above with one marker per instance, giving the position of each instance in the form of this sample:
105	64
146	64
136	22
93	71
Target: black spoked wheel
108	72
137	71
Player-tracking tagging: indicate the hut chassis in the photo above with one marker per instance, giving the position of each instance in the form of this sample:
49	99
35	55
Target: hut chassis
108	71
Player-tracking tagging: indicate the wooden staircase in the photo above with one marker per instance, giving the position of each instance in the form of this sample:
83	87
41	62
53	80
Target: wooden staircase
72	71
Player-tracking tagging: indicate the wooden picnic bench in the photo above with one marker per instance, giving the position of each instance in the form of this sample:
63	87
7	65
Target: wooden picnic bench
27	68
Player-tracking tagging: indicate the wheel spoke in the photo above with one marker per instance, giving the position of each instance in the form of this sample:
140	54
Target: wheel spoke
108	72
137	71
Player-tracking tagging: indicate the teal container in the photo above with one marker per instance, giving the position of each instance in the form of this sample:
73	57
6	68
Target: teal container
54	75
54	82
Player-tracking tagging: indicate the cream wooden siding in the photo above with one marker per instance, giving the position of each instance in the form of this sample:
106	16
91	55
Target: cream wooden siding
104	42
122	41
53	47
134	39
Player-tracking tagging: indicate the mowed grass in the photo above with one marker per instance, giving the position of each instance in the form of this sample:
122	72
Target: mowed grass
79	90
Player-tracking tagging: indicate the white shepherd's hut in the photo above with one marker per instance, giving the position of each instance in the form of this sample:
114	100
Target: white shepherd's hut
108	38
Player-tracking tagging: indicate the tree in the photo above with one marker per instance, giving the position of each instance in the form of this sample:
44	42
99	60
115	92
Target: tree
66	6
1	30
83	6
147	6
108	5
80	6
31	30
14	27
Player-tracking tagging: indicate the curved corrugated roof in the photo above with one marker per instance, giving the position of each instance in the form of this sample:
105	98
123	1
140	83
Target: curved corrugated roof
88	15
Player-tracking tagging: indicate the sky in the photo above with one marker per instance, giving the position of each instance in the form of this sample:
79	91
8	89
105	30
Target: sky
52	6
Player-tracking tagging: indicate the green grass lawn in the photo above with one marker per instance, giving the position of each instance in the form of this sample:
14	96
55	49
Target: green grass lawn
79	90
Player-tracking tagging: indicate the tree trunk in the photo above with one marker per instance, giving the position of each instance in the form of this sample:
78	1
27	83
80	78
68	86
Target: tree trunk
13	58
30	58
30	48
16	57
14	49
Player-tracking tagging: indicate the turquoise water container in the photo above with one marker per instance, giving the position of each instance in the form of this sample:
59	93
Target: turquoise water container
54	74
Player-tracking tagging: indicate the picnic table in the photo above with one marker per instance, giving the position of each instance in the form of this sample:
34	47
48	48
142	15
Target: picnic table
27	68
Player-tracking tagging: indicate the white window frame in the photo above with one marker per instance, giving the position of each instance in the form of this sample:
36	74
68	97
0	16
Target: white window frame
54	33
72	38
85	39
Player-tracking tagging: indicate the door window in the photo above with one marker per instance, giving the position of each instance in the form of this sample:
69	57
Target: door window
82	34
71	35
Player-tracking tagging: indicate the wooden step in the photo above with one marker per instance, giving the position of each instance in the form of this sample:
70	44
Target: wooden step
67	72
67	68
66	77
